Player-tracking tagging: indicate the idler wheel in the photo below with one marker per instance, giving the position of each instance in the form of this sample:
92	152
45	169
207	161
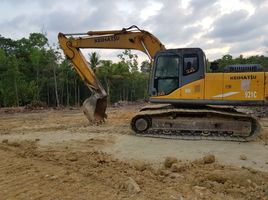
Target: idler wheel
141	124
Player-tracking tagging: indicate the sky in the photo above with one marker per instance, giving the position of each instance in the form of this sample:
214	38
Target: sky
219	27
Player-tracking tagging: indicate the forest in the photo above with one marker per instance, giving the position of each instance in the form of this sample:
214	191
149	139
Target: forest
32	71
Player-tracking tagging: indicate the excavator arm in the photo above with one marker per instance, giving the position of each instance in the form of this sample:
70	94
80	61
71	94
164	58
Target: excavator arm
128	38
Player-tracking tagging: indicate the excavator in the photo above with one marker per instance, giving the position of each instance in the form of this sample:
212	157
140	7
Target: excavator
186	102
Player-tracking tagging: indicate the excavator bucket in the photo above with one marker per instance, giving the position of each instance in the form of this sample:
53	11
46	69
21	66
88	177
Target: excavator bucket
94	108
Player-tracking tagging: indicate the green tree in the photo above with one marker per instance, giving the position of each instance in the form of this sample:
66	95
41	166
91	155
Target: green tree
94	60
129	59
38	40
31	70
145	66
35	58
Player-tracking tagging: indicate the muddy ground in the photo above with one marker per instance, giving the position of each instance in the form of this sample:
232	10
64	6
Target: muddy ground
55	154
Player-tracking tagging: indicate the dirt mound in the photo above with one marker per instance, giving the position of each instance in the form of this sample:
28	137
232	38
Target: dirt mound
36	105
208	159
178	167
76	168
110	176
11	110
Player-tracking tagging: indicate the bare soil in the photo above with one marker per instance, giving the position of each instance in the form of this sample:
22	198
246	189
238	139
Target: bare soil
55	154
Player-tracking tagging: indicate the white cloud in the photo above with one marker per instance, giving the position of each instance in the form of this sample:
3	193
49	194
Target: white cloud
219	27
229	6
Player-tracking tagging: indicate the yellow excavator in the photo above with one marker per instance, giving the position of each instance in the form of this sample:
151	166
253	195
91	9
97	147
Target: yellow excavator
189	103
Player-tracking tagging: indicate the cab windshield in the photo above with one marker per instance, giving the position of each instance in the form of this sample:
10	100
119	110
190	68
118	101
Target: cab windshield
167	74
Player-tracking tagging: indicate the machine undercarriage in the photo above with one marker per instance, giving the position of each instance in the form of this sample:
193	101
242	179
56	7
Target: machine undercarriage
207	123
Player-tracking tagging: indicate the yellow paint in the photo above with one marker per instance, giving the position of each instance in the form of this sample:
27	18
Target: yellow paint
194	90
113	39
176	94
224	86
266	86
213	85
251	88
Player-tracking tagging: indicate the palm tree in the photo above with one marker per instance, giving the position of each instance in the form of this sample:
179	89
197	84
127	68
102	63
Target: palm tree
94	60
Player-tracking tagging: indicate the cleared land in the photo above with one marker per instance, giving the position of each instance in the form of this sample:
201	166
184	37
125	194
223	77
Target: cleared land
55	154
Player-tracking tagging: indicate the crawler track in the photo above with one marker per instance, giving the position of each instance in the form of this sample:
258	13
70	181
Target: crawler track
195	124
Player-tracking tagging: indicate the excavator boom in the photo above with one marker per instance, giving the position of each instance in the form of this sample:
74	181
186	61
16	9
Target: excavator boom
127	38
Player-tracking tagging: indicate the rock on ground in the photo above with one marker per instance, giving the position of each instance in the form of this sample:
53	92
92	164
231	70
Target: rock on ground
140	165
208	159
176	167
169	161
243	157
131	186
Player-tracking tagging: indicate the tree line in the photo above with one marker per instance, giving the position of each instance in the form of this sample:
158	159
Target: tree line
230	60
32	71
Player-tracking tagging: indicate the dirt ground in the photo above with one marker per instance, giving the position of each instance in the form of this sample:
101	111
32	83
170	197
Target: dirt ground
55	154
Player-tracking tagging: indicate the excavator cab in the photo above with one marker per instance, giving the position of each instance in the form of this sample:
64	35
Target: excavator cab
174	68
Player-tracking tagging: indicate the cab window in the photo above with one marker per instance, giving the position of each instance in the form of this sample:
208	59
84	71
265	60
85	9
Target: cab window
190	64
167	66
166	74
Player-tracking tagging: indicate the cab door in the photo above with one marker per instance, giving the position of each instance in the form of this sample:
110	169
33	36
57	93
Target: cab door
192	75
166	74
